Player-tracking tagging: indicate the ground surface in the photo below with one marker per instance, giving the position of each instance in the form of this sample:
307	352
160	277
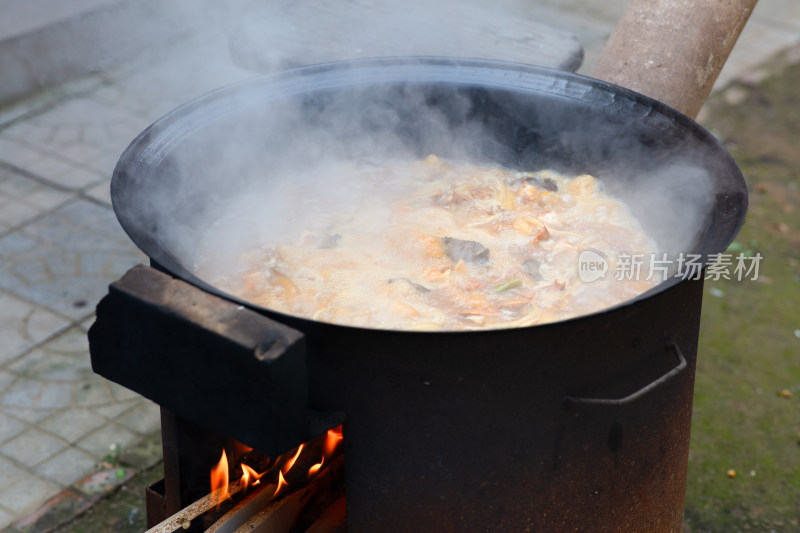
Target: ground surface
60	246
747	393
123	512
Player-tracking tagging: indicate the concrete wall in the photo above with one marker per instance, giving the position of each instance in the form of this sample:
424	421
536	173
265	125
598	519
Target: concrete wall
45	42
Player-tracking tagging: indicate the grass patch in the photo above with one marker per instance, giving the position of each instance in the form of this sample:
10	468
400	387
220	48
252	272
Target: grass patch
749	347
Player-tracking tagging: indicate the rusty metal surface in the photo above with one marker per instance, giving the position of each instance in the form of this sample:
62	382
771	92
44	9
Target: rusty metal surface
155	503
190	452
474	433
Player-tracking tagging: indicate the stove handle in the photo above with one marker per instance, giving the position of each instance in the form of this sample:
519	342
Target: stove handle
571	400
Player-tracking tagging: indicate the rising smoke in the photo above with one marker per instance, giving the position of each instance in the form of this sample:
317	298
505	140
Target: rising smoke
234	170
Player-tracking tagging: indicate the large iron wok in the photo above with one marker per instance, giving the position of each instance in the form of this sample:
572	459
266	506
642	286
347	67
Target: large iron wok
549	427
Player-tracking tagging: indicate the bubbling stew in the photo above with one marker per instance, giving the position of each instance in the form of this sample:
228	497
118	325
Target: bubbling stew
439	245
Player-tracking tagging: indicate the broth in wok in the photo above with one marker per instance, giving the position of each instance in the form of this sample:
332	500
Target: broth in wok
437	245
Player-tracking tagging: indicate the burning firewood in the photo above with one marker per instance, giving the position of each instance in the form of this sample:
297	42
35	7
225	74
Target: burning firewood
260	511
286	514
183	519
306	483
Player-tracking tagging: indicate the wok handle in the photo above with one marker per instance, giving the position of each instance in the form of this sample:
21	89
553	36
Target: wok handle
571	400
673	50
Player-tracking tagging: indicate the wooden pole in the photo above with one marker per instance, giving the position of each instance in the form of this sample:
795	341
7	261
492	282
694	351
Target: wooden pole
673	50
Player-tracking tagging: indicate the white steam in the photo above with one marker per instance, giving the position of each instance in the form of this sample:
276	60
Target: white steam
251	169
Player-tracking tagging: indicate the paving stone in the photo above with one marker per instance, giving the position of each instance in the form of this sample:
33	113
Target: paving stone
16	153
94	263
122	263
80	152
9	474
9	277
100	192
83	217
5	518
73	424
112	411
93	218
27	494
6	379
22	326
14	213
66	467
55	228
100	442
22	393
71	342
44	274
33	271
86	133
81	178
28	414
68	296
122	393
37	194
111	95
15	243
92	392
50	167
107	161
85	113
145	418
62	265
42	365
40	324
87	323
32	447
45	99
56	396
28	132
47	231
10	428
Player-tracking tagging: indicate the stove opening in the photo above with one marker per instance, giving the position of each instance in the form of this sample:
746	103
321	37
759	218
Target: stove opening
245	490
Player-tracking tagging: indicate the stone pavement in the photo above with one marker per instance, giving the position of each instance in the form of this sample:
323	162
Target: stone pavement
60	244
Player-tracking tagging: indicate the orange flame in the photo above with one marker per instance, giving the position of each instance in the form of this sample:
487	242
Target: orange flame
332	440
250	476
219	480
290	463
242	448
281	483
315	468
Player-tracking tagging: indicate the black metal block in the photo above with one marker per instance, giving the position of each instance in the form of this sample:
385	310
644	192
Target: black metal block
211	361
